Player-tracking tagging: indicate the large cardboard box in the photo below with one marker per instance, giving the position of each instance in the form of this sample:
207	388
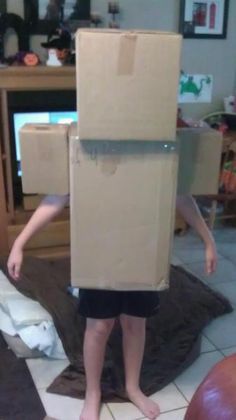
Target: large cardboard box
44	158
122	213
127	83
199	160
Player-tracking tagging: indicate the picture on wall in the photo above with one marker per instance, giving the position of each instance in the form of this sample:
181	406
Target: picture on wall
44	15
195	88
203	18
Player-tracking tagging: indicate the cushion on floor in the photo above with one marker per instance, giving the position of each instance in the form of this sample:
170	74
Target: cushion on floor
19	348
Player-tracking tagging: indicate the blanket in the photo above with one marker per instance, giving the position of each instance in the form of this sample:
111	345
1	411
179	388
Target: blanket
172	339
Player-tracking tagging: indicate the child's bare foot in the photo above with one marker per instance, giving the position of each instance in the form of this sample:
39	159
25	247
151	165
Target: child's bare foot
91	406
149	408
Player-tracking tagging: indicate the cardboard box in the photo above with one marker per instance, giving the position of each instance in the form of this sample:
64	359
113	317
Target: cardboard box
122	213
199	160
127	83
44	158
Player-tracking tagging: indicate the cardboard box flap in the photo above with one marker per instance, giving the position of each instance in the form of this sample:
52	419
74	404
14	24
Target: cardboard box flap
126	32
199	160
44	158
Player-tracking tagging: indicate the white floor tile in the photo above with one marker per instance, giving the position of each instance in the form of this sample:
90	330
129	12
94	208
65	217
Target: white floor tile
225	235
44	371
226	271
124	411
176	261
190	239
206	345
189	380
222	331
66	408
62	408
228	352
190	255
173	415
169	398
227	250
228	290
232	258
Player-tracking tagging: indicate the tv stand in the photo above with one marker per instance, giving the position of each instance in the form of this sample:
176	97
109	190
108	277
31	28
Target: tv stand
54	240
20	78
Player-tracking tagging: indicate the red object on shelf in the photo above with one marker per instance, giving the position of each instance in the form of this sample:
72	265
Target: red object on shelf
180	121
212	15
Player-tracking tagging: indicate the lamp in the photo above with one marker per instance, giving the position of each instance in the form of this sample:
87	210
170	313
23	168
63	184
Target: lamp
95	18
114	10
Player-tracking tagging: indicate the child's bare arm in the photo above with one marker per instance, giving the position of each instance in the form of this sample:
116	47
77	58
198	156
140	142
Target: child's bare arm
187	206
48	209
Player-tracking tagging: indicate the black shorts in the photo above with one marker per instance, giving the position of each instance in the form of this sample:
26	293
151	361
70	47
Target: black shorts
104	304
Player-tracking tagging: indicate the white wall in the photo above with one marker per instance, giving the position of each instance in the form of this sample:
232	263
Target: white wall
216	57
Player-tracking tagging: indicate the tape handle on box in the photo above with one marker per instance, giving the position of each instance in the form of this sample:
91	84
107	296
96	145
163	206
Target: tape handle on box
126	55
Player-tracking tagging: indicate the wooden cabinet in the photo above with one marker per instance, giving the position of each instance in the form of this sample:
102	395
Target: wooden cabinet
54	240
25	79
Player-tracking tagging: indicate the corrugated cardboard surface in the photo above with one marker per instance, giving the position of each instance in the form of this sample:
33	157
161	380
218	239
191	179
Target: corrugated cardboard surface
199	160
127	83
122	207
44	158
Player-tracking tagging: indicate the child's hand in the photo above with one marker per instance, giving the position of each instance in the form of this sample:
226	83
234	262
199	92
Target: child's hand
211	257
15	261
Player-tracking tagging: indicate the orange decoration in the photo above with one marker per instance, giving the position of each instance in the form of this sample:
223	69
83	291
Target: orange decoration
31	59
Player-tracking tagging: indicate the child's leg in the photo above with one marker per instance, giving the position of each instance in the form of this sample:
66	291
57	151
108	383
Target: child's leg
96	336
134	329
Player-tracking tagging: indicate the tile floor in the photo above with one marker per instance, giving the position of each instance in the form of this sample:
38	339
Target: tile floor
218	341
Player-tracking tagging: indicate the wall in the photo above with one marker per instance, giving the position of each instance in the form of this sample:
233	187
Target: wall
216	57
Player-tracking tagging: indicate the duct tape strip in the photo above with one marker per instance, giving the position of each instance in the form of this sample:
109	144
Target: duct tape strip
127	50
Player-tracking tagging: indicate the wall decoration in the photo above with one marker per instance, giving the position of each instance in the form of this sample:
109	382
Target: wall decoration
203	18
113	10
195	88
44	16
3	6
3	9
15	22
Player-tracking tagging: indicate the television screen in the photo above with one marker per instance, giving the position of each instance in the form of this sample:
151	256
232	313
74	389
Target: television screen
21	118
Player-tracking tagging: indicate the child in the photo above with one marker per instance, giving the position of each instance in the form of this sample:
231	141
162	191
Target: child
101	307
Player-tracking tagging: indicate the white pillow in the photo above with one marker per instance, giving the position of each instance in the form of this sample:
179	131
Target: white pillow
24	311
6	324
6	289
20	349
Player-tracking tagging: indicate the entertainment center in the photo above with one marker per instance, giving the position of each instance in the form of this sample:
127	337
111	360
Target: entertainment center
31	85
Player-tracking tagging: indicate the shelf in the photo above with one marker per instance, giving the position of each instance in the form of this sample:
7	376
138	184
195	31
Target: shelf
49	253
55	234
37	78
